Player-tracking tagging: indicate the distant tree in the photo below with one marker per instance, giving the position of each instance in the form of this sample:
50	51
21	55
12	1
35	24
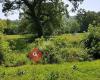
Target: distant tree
87	17
3	25
69	25
73	25
8	26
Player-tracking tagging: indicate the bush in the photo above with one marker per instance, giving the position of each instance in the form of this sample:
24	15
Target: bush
74	54
56	49
61	49
93	41
18	44
10	57
4	50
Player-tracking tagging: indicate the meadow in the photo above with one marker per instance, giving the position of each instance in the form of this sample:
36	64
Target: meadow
68	71
72	61
47	43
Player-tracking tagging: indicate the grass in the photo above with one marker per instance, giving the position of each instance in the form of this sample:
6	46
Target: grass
10	37
78	36
66	71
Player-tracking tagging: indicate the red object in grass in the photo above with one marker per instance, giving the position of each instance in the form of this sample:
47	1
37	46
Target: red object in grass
35	55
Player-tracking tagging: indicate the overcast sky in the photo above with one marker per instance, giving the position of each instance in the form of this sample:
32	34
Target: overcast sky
92	5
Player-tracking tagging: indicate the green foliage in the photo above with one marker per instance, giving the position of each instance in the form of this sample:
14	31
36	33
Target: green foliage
4	50
18	44
3	25
24	26
93	40
66	25
85	18
47	16
8	27
72	25
11	27
41	14
61	48
13	46
10	52
69	25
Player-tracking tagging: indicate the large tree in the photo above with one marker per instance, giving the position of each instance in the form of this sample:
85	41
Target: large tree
40	11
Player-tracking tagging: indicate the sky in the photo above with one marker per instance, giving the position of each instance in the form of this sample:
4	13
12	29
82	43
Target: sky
91	5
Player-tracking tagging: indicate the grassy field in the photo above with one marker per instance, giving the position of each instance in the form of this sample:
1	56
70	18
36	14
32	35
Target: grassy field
66	71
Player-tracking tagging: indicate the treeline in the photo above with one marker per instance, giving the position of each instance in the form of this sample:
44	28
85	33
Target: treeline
74	24
8	26
85	18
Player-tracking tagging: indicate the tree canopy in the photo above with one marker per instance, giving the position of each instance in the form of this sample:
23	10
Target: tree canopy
41	12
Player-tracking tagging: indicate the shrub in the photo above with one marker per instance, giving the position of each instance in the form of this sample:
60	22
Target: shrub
18	44
10	57
4	49
93	41
61	49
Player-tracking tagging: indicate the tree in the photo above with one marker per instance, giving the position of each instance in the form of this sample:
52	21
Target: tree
48	16
36	10
87	17
3	25
11	27
72	26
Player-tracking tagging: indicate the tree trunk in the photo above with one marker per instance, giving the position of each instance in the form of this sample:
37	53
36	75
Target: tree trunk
39	31
38	27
